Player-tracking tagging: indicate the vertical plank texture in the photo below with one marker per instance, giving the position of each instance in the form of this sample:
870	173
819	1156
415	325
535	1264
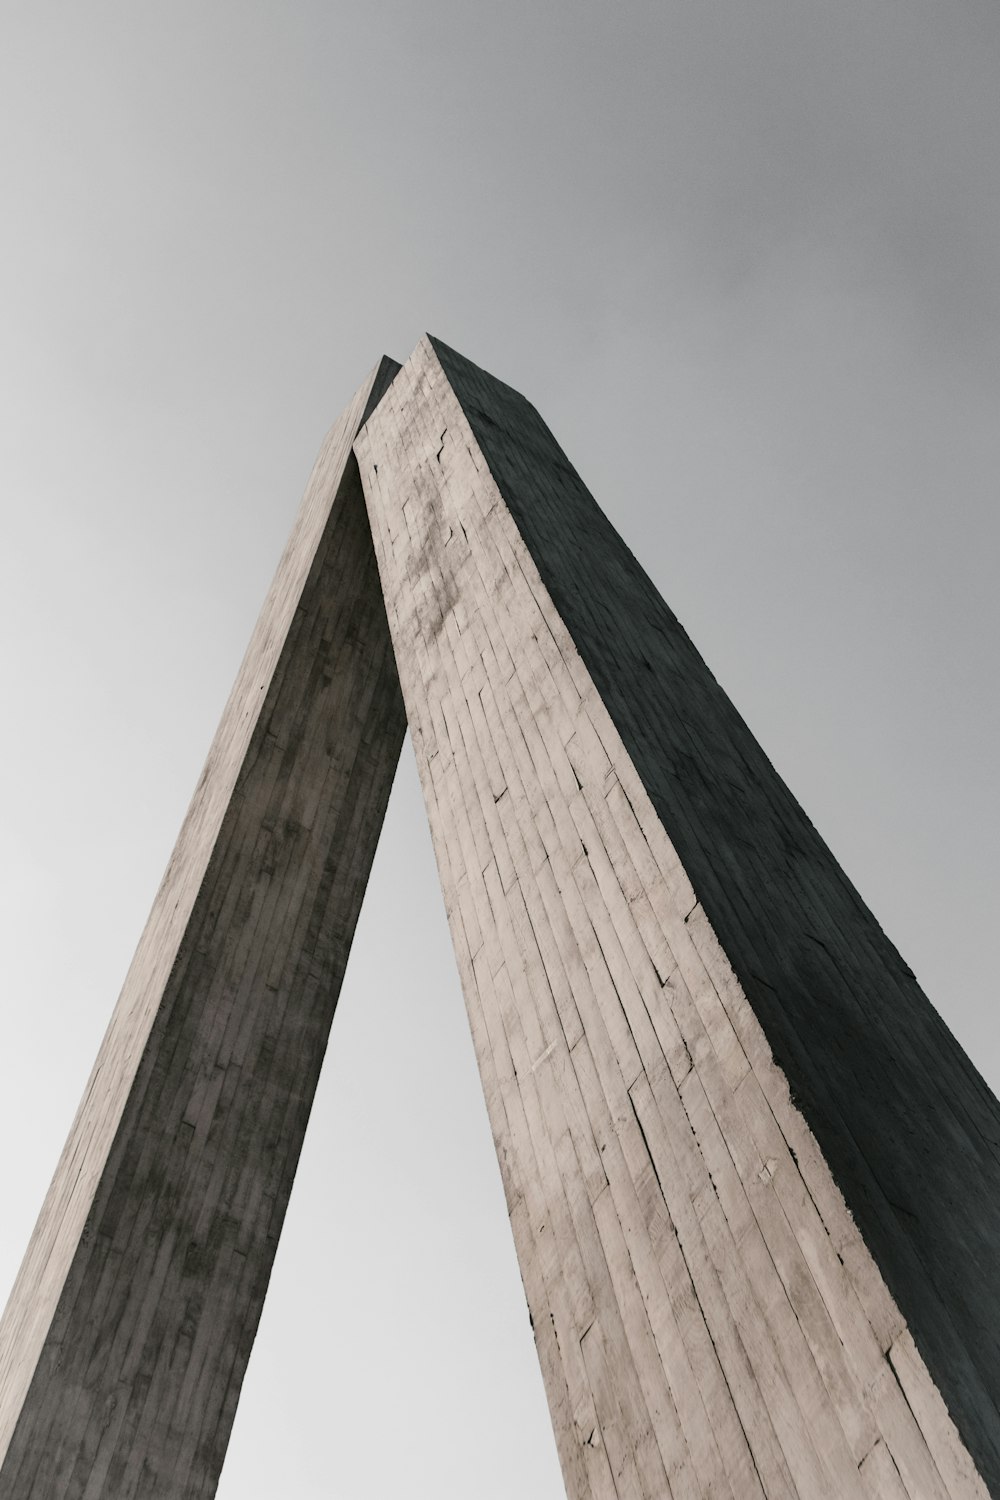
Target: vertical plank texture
752	1180
125	1341
709	1317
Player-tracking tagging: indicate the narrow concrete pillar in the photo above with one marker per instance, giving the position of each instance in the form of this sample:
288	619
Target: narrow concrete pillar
753	1181
125	1341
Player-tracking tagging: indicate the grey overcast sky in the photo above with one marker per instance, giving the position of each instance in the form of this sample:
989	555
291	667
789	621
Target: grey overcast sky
743	256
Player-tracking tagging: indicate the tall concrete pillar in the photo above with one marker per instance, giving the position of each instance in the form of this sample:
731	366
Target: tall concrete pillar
125	1340
752	1179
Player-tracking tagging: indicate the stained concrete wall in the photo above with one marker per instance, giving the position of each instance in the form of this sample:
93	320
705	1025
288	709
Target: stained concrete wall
125	1341
710	1078
751	1178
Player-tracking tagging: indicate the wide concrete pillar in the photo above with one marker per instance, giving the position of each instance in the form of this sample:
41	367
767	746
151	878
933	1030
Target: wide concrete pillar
126	1338
753	1181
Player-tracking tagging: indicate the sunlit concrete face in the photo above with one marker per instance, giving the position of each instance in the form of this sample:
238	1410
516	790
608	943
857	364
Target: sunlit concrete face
750	1176
695	1042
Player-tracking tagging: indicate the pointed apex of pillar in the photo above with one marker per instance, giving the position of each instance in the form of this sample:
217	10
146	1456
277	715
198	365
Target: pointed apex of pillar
381	379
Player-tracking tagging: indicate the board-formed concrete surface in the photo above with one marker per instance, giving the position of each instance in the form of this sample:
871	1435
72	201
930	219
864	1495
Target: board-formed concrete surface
695	1042
126	1337
752	1180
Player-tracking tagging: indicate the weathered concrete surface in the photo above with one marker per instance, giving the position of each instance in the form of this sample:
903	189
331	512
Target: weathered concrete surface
695	1042
125	1341
752	1180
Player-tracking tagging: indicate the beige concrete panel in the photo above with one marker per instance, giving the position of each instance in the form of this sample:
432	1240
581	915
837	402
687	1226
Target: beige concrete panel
714	1308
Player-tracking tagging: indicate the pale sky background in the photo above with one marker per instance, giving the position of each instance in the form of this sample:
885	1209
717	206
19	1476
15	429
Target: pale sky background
744	258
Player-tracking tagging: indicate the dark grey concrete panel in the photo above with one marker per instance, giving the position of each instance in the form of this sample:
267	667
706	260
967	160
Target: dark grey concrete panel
907	1125
140	1364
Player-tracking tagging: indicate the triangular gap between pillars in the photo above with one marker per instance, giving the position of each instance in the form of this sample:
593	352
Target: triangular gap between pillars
395	1349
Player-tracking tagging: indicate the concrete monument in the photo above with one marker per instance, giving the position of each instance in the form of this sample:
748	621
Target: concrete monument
752	1179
